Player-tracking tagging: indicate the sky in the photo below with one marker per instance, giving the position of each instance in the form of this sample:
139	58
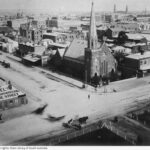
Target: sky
75	5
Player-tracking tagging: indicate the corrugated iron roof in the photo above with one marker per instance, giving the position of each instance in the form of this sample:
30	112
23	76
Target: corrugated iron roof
76	49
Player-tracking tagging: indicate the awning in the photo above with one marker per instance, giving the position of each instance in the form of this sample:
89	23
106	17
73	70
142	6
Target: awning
145	68
31	58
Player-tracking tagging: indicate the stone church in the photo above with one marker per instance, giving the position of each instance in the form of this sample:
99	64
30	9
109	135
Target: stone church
90	58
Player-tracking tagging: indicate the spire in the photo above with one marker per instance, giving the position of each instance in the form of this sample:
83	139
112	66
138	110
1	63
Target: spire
114	8
92	44
126	8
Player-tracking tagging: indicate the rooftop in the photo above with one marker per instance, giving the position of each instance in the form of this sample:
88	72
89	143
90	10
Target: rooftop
116	48
31	58
76	49
59	45
2	82
52	34
132	44
30	44
5	29
138	56
135	36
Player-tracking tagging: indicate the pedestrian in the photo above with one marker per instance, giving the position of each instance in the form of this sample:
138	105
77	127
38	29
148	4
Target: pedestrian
88	96
95	87
0	116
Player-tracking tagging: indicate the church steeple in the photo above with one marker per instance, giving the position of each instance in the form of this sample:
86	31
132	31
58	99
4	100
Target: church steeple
114	8
126	8
92	43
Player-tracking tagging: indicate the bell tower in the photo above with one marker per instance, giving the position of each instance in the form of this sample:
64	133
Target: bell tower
91	52
126	8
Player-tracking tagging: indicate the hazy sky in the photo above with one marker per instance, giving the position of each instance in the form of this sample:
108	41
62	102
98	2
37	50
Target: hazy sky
75	5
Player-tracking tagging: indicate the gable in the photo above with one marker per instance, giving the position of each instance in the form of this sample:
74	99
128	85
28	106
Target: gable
105	49
76	50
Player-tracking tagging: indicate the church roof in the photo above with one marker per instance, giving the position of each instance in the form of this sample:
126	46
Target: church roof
105	49
76	49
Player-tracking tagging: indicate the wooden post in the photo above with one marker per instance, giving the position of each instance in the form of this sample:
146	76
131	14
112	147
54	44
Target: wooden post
133	142
125	137
137	117
90	129
117	132
75	134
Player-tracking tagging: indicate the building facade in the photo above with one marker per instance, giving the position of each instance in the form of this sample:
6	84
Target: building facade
32	31
53	22
136	64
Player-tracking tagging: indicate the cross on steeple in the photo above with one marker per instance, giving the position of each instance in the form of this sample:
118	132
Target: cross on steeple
92	43
126	8
114	8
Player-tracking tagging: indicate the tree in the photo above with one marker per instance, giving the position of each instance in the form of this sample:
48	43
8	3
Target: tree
134	19
119	57
122	37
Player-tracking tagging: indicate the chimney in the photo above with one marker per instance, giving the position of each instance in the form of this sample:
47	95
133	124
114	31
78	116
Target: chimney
142	52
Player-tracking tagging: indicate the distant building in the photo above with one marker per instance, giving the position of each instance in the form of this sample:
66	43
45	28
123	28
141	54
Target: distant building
143	17
25	48
121	49
120	12
85	27
33	31
137	38
38	24
56	37
9	23
104	32
32	54
126	9
129	18
5	30
136	64
108	18
53	22
114	8
126	26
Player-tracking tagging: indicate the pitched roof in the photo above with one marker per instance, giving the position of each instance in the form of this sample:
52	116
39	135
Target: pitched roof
105	49
138	56
76	49
61	51
5	29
